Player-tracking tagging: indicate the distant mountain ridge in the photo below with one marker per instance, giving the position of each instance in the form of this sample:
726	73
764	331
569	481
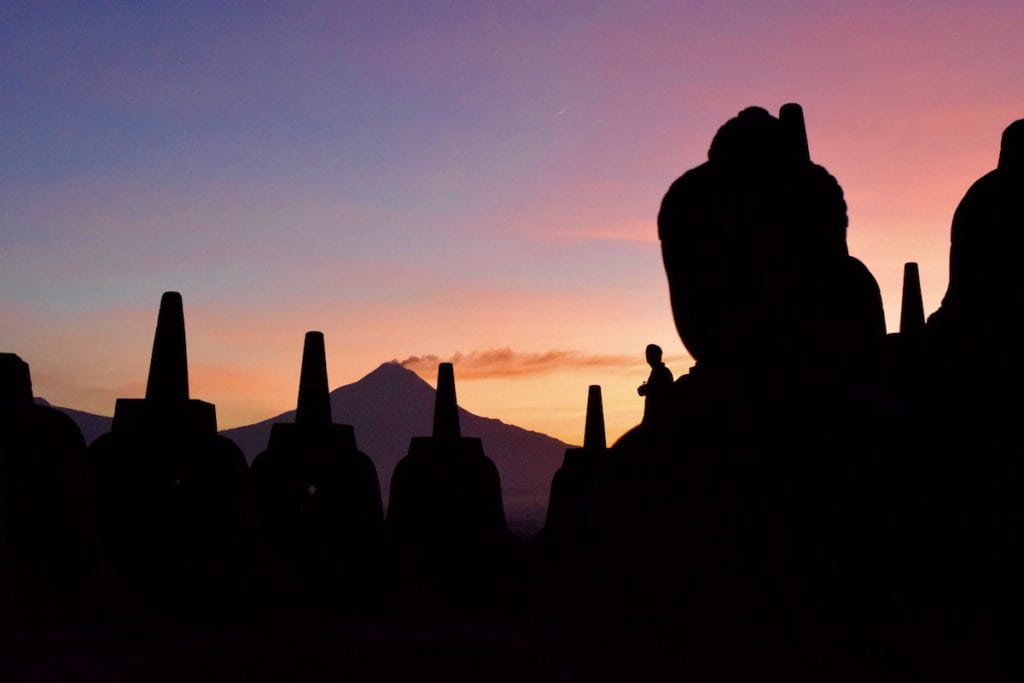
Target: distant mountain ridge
392	404
92	426
387	408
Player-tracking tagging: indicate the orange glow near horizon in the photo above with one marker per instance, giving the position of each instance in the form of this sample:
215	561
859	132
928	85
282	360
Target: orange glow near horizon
464	180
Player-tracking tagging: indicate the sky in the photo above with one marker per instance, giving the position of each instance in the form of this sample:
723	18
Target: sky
467	181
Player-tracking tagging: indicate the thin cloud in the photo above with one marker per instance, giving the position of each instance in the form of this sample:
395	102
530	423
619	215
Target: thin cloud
496	363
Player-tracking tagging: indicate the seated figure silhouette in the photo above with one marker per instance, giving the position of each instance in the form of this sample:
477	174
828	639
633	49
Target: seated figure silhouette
658	385
969	564
446	518
318	502
172	493
47	536
739	540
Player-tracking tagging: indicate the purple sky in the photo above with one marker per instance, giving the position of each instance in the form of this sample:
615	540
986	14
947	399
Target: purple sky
456	178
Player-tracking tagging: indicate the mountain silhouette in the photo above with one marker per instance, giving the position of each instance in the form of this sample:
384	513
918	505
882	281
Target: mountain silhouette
387	408
92	426
391	405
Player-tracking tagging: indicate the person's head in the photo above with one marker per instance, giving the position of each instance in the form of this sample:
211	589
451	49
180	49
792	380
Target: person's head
747	239
653	353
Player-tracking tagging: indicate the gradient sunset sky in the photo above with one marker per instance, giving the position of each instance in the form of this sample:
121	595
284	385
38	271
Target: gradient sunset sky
432	180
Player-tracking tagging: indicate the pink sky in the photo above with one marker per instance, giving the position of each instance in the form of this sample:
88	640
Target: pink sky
427	182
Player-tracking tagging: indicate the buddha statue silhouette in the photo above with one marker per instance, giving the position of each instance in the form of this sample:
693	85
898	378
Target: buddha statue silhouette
730	509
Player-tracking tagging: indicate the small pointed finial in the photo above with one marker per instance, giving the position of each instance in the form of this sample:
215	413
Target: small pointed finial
912	308
791	116
15	384
446	408
1011	149
168	366
314	407
593	434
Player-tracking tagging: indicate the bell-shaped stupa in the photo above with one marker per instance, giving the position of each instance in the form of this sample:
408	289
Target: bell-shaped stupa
318	499
172	493
445	516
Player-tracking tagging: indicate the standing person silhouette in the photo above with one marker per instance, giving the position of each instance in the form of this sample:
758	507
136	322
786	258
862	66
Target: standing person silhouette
658	386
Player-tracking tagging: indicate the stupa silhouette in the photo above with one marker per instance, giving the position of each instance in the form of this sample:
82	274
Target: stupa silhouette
575	484
568	573
48	569
906	378
912	305
172	493
318	499
967	569
446	517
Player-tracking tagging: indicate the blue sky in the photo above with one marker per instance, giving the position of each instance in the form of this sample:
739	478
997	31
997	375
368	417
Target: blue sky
451	177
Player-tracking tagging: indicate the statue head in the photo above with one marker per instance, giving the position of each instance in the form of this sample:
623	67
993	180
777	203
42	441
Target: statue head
752	241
